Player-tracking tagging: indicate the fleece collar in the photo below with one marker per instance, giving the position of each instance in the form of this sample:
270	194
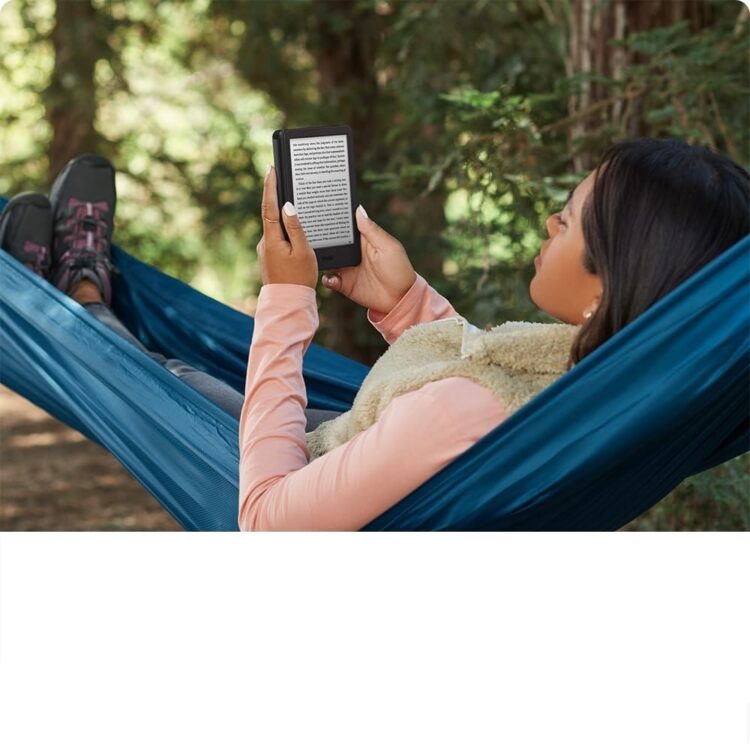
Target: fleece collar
520	346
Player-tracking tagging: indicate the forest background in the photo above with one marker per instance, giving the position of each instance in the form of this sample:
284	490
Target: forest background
471	120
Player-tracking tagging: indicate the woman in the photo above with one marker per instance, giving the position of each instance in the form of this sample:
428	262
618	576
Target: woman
650	215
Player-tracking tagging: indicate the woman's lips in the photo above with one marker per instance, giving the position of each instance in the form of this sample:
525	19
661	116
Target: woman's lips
538	261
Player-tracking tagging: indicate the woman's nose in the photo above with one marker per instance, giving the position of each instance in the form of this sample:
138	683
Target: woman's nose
551	224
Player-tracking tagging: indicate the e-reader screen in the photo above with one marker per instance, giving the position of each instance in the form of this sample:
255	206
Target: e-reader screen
322	193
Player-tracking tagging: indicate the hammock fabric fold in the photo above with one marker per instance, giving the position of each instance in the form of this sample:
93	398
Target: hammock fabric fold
665	398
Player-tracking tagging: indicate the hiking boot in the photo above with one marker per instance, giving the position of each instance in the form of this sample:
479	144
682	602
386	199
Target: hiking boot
83	207
26	231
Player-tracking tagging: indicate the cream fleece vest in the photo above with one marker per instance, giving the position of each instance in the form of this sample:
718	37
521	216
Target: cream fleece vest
515	361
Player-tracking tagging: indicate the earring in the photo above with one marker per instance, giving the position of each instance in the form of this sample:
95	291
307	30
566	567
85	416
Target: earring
588	314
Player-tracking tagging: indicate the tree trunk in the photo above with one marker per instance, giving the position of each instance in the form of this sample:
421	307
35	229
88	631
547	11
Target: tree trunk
70	100
346	63
346	69
340	37
592	25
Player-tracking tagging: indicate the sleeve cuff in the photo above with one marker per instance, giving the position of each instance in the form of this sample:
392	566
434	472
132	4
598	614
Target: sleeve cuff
284	292
278	304
404	308
285	296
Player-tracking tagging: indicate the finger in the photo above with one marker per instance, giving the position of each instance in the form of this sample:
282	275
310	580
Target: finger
332	279
269	209
294	228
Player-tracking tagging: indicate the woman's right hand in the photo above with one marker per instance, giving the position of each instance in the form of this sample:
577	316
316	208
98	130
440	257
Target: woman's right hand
383	277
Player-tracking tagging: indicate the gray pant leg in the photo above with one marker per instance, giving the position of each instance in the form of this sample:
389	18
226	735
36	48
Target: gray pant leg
318	416
216	390
212	388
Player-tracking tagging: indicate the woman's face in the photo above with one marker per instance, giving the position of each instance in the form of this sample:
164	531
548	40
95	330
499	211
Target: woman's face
562	287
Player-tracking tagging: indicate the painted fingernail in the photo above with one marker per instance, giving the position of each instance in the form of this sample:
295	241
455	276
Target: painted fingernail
289	209
360	207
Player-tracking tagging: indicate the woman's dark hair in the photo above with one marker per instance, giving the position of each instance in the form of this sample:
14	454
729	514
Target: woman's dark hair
659	210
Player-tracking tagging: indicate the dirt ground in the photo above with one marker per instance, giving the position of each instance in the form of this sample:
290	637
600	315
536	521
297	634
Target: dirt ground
53	478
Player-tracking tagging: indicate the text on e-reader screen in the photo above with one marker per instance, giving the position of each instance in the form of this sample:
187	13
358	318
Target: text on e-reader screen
322	194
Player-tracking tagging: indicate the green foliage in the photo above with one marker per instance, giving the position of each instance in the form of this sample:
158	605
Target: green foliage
693	85
715	500
188	143
25	68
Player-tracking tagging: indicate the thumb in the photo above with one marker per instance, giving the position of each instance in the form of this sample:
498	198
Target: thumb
374	233
293	227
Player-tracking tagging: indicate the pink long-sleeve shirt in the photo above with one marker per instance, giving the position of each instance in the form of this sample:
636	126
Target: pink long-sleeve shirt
417	434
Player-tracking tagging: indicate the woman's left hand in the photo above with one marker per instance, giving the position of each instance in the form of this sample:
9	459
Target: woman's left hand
280	261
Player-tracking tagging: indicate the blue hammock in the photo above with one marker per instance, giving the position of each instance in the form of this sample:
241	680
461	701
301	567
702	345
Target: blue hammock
665	398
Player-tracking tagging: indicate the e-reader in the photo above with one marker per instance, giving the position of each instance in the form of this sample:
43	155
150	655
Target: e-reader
315	172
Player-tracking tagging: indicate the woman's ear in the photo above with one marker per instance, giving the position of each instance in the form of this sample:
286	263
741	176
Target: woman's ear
592	307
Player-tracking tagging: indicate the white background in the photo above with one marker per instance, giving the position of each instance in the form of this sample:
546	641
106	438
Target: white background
167	640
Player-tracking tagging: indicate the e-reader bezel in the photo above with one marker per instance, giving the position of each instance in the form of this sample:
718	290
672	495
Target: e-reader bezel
334	256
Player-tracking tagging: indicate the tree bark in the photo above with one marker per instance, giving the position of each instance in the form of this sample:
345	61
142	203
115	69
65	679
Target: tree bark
70	99
592	25
340	37
347	81
347	64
